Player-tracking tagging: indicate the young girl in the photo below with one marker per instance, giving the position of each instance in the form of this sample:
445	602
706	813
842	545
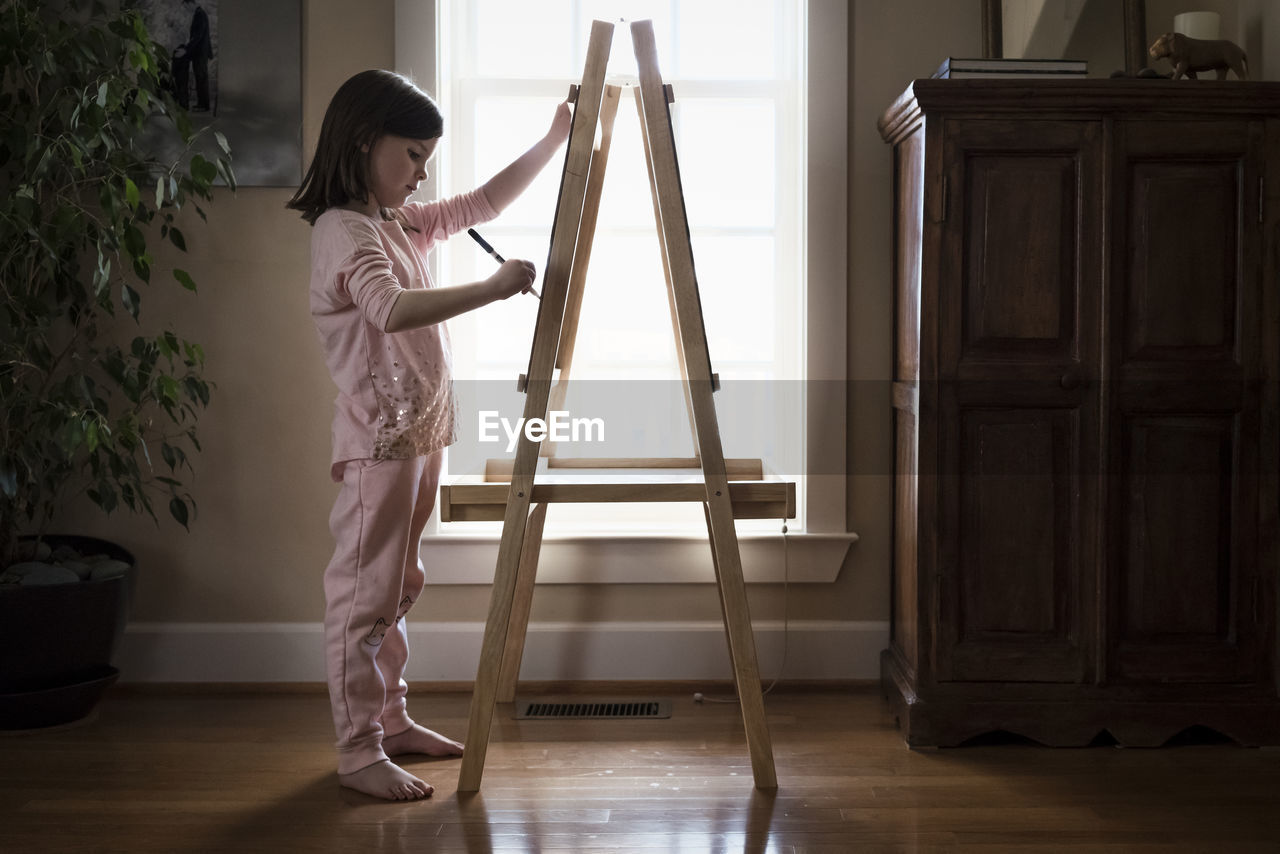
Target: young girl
380	320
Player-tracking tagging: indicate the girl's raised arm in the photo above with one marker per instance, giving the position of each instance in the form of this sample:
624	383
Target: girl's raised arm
503	188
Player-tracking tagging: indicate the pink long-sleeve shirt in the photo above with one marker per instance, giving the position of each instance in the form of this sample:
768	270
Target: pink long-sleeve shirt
395	396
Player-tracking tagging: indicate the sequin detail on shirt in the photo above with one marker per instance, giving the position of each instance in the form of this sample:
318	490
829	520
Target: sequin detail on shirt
416	415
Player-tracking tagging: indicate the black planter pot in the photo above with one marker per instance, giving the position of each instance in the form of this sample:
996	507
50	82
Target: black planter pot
57	641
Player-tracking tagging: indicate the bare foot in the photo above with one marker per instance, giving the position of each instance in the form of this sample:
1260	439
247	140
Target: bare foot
419	739
387	780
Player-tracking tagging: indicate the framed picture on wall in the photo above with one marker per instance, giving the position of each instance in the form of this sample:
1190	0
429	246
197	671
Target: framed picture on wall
237	67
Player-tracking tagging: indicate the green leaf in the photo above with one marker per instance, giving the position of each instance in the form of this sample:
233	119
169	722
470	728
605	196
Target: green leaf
160	191
102	95
184	278
197	390
131	194
168	389
103	273
178	509
130	299
177	239
104	496
202	170
107	199
42	162
134	243
142	267
224	167
222	142
72	436
8	482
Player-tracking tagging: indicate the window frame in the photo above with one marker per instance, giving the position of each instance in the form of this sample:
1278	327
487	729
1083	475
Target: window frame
818	551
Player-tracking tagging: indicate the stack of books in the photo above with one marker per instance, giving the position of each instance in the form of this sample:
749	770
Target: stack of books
1006	69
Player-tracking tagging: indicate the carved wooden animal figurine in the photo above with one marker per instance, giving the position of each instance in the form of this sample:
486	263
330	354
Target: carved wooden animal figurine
1190	55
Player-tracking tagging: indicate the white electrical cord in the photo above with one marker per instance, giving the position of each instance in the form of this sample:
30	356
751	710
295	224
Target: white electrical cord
699	697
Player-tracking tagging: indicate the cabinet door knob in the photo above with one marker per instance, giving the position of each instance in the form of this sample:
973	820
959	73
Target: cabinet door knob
1070	379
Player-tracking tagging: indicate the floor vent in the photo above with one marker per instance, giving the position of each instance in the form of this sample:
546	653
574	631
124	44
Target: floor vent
555	710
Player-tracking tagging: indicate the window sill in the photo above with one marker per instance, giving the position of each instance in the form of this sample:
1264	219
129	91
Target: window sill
628	558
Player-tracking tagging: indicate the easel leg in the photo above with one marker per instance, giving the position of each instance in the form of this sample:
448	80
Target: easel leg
684	287
715	564
485	693
742	644
582	254
573	181
518	625
666	271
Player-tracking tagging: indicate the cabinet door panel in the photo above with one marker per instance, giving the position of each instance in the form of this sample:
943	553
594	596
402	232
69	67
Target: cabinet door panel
1182	283
1185	412
1012	604
1180	518
1018	396
1021	246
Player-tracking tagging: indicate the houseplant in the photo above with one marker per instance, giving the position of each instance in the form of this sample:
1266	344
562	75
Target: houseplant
91	401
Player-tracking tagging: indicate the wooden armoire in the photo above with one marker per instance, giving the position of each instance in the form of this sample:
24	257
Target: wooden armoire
1086	281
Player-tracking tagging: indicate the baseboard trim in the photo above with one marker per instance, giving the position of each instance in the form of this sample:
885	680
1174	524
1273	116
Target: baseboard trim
602	687
448	652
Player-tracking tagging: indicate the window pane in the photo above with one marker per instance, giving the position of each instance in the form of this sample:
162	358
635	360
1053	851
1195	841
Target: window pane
760	418
626	322
504	329
625	199
737	283
522	39
728	162
726	39
505	128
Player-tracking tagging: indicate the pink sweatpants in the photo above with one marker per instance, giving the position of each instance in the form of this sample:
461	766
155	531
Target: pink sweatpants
374	578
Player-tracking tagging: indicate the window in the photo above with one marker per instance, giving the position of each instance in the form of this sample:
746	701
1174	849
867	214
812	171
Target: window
746	86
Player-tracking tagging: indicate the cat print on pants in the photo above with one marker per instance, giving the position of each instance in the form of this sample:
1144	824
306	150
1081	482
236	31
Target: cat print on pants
379	630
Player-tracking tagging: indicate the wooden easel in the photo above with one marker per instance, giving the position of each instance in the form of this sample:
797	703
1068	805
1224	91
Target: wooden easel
749	496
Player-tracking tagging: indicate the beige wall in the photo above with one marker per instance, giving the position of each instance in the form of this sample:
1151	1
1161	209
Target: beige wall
258	549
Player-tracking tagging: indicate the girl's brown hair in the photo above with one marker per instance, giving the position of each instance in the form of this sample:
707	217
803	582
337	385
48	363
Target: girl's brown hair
366	107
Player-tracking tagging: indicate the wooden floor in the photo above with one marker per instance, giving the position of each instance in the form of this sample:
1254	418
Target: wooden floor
207	772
